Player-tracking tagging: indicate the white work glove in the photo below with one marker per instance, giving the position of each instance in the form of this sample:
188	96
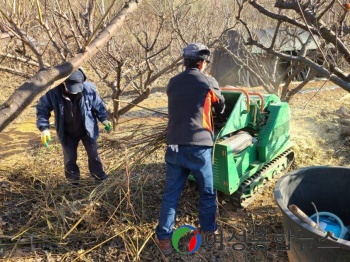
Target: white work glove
175	148
108	125
45	137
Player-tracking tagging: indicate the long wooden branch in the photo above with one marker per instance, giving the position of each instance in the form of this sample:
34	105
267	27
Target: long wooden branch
134	103
46	78
296	89
318	68
24	38
279	17
14	71
303	217
53	40
323	30
25	60
319	27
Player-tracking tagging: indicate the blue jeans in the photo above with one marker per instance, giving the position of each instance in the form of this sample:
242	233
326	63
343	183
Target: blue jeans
70	146
198	161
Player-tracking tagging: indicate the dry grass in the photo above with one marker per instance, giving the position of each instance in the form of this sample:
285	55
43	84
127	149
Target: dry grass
43	218
52	215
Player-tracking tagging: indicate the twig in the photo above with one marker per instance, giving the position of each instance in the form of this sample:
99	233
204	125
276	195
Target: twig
144	243
79	221
342	6
303	217
317	217
146	108
89	250
316	93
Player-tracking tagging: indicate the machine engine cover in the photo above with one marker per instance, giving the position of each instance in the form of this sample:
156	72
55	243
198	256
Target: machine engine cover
239	141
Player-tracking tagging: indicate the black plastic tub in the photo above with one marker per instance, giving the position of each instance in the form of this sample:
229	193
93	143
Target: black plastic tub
328	188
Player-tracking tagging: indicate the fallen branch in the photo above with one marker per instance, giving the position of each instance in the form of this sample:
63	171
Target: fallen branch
303	217
342	113
79	221
100	244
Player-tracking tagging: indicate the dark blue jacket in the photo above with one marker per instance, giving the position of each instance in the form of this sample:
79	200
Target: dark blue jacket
91	105
191	96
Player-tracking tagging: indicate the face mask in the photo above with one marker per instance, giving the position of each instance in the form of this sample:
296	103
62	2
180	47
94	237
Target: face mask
73	93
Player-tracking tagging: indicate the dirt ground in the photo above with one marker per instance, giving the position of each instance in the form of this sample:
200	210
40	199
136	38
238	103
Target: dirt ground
43	218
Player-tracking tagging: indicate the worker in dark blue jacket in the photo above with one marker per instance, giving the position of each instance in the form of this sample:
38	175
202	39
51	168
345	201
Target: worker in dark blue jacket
192	98
77	108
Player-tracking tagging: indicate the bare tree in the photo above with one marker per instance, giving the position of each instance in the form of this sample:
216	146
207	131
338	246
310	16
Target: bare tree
323	19
134	60
46	77
146	48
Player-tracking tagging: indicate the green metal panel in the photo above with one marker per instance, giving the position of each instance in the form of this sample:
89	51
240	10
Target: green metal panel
230	170
236	107
270	99
223	168
274	137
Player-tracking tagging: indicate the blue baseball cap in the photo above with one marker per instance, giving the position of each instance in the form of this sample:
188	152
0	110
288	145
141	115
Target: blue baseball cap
74	83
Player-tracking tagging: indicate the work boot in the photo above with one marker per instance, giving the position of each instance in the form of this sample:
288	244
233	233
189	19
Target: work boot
74	182
164	245
100	179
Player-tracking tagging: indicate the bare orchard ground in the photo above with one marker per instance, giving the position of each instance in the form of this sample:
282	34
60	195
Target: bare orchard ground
42	218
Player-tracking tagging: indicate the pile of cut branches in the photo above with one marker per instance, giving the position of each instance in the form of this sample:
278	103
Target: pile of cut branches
115	218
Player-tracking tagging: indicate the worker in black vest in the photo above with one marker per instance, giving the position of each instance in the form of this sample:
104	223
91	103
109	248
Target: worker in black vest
192	98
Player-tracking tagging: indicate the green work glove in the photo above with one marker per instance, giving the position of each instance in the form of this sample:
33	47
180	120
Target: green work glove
45	137
108	125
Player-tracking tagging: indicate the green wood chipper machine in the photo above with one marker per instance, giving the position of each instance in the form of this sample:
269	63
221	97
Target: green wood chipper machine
252	143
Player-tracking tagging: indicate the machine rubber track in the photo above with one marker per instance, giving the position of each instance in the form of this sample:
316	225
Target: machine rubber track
260	179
